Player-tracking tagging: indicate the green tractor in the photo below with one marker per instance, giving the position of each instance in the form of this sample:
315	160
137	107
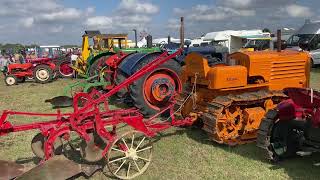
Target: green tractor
97	48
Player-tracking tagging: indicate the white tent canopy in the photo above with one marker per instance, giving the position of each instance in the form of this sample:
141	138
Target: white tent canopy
225	35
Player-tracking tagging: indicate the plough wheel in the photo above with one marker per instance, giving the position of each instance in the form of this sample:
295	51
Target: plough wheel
92	151
37	145
129	155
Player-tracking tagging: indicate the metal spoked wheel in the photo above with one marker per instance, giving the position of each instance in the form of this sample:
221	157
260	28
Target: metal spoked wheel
129	155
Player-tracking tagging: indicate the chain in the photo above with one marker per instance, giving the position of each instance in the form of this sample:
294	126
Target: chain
194	98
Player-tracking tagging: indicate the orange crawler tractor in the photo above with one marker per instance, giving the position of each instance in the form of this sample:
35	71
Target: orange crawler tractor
231	99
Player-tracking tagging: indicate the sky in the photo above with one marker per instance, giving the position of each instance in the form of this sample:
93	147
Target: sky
64	21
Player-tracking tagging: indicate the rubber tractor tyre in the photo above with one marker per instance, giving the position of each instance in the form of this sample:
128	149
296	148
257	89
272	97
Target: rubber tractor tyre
11	80
154	90
118	79
96	66
43	74
284	141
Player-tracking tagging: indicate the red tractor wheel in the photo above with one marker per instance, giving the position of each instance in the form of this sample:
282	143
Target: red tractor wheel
43	74
11	80
156	89
64	69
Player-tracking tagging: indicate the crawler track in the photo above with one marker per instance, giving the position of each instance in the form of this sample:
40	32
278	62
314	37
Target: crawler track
225	118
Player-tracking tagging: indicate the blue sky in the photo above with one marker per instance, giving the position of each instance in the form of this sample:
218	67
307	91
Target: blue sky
64	21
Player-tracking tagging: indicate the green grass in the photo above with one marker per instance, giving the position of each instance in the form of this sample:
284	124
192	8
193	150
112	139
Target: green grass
178	153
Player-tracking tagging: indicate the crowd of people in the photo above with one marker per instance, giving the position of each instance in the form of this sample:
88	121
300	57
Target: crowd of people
7	57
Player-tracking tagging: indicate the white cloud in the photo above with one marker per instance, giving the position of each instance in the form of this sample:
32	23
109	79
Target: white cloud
238	3
128	15
136	6
27	22
102	22
213	13
62	15
297	11
57	29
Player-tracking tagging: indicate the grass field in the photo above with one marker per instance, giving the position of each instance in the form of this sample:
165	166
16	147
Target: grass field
178	153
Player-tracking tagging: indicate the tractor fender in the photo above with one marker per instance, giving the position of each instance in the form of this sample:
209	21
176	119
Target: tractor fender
129	64
50	64
287	110
92	59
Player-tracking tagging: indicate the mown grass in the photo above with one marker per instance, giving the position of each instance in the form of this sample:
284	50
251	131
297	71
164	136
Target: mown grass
178	153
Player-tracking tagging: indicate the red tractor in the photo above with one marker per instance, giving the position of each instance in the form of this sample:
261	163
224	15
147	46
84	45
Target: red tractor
293	127
41	72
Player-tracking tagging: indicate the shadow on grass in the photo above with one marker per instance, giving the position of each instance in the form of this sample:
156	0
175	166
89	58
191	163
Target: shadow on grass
296	167
34	160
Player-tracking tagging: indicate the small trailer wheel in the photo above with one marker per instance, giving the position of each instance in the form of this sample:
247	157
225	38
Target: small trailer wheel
11	80
129	155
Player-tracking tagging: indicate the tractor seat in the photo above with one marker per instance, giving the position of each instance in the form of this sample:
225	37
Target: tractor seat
20	66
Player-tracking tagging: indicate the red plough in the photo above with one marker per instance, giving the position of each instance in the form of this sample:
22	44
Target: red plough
126	155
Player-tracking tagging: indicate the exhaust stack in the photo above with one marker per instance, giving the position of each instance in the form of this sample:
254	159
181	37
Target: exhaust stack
182	32
279	44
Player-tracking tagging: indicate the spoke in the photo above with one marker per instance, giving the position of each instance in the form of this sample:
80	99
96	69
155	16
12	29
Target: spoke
148	160
125	143
144	149
132	140
221	121
120	167
115	149
128	171
115	160
140	143
136	165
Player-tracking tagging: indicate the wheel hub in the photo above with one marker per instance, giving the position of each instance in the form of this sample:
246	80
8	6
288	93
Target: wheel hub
43	74
132	154
10	80
159	88
162	89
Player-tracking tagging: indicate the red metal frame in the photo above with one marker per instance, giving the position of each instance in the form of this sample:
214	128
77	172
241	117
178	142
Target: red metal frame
91	116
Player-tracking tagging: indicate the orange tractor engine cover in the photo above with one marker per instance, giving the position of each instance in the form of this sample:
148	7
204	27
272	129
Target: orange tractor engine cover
227	77
216	77
279	69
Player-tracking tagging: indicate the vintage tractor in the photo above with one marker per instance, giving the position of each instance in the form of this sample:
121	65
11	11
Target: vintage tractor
53	55
293	127
42	72
231	99
105	45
